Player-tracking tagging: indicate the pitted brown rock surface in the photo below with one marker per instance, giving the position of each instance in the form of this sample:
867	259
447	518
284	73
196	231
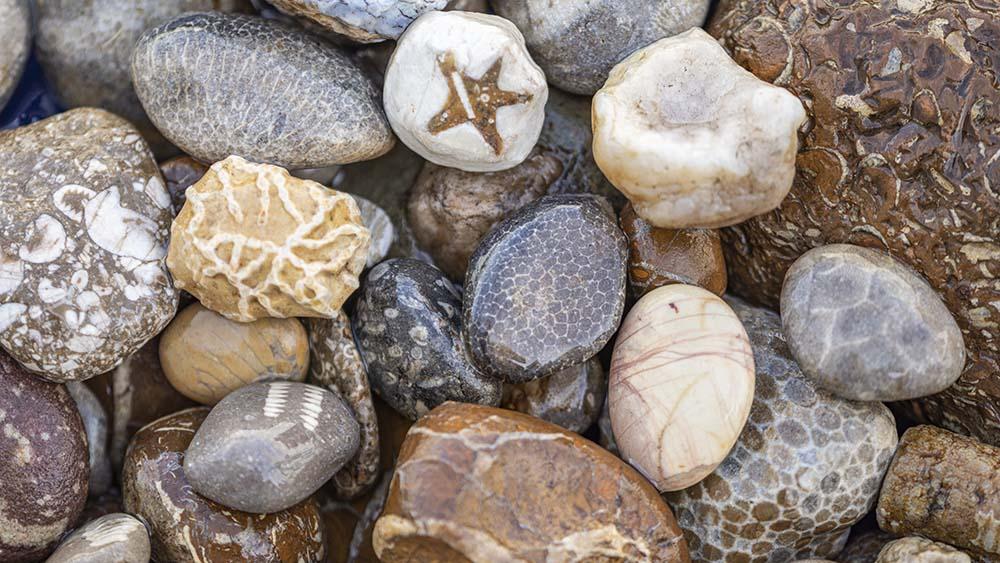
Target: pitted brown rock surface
900	154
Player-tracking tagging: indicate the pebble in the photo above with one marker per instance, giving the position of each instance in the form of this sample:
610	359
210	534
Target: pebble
570	398
180	173
96	507
95	425
450	498
114	538
328	114
44	463
545	289
301	246
915	549
361	20
577	42
383	234
188	528
807	466
693	139
864	546
408	326
83	282
206	356
867	327
15	44
658	257
681	385
482	99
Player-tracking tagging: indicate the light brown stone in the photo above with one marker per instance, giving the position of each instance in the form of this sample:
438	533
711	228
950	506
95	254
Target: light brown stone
915	549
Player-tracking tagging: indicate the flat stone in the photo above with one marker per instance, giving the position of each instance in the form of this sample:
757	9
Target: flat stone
181	173
867	327
85	222
450	498
95	424
408	325
361	20
383	234
114	538
545	289
571	398
15	44
915	549
329	113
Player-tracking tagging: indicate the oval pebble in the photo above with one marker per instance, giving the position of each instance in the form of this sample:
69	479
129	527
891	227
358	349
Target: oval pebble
112	538
95	423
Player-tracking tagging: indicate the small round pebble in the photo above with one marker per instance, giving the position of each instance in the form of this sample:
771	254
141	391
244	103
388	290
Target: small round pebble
915	549
361	20
95	423
15	44
570	398
113	538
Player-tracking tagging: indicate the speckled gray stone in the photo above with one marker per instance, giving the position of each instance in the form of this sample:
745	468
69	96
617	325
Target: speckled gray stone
545	288
269	446
84	226
361	20
866	327
408	324
571	398
15	44
95	422
577	42
220	84
112	538
383	234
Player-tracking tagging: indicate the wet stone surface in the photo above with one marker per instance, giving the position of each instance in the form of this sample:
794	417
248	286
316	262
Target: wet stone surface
113	538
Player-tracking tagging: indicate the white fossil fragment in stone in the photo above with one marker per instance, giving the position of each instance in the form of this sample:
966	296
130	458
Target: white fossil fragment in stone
71	200
120	230
45	241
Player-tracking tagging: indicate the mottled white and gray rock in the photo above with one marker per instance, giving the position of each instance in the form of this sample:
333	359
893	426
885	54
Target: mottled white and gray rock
15	44
112	538
95	423
83	236
868	328
383	234
269	446
365	21
220	84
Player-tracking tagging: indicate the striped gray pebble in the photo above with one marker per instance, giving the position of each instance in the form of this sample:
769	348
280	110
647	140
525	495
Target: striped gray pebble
95	422
113	538
268	446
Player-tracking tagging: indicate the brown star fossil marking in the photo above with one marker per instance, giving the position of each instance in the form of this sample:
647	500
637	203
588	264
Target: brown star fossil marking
475	101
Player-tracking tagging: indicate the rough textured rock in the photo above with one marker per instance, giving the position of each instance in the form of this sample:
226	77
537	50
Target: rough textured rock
206	356
44	463
807	466
189	528
570	398
899	156
83	236
15	44
254	242
408	325
868	328
114	538
361	20
545	289
450	499
95	424
919	550
325	112
383	234
181	173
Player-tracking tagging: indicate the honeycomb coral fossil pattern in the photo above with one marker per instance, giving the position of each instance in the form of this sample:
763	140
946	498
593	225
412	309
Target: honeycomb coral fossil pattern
252	241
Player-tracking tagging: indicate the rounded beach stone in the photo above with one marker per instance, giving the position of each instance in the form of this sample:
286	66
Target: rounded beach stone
361	20
113	538
15	44
188	528
450	498
915	549
681	385
868	328
44	463
329	113
206	356
95	424
383	234
84	224
269	446
462	91
181	173
571	398
691	138
807	466
545	289
254	242
408	325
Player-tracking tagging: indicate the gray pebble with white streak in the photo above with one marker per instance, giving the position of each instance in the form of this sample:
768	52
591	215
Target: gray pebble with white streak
112	538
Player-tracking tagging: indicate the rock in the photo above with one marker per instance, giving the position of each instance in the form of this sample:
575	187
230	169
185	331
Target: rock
206	356
15	44
919	550
181	173
329	113
677	349
481	99
186	527
577	42
570	398
605	437
361	20
383	234
864	547
658	257
269	446
892	144
868	328
450	210
44	465
408	326
300	246
85	222
806	467
942	486
450	498
96	507
114	538
95	425
336	364
545	289
692	139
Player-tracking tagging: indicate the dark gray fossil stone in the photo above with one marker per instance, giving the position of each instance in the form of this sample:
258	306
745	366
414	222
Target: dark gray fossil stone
112	538
15	44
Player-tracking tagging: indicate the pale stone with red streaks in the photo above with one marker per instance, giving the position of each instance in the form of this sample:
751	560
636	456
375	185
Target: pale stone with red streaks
681	386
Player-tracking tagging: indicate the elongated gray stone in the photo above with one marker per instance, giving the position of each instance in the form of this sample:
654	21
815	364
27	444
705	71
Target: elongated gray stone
361	20
15	44
95	423
112	538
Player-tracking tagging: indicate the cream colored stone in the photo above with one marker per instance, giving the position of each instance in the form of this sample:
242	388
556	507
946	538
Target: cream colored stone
681	385
462	91
915	549
693	139
254	242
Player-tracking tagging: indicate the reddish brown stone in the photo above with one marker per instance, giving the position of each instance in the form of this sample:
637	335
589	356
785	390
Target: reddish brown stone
476	483
181	173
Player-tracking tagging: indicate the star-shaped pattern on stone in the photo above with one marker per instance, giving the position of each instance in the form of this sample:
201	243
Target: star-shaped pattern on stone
475	101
